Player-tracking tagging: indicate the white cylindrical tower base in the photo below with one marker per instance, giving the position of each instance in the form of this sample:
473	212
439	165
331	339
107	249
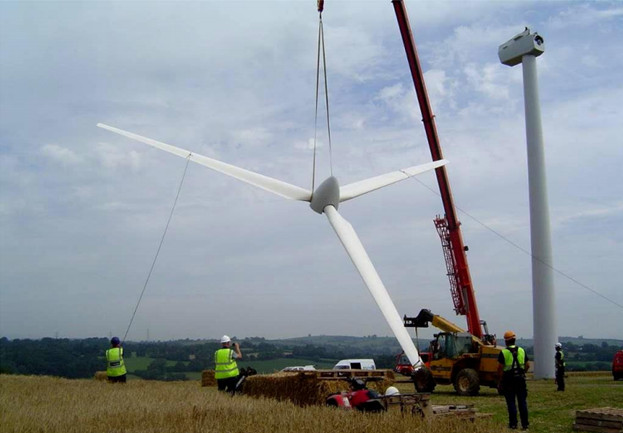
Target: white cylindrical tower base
543	299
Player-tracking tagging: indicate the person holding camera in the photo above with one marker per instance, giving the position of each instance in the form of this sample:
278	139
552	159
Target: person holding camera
226	371
513	364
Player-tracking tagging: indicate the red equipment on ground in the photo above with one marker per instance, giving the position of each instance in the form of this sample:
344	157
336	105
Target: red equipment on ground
404	367
359	397
617	365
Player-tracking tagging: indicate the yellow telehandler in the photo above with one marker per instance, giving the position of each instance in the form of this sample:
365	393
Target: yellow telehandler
456	357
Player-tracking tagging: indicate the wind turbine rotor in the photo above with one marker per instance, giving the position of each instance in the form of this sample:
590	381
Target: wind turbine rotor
325	199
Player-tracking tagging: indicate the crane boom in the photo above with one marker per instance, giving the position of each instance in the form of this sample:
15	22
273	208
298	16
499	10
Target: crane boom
449	227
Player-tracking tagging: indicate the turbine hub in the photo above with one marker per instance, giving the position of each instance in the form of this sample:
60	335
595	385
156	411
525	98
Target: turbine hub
328	193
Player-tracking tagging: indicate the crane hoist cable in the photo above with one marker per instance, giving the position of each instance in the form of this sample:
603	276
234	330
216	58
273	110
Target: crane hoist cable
523	250
321	48
179	189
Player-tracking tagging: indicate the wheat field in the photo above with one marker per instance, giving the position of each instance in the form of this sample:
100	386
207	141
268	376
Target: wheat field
46	404
51	405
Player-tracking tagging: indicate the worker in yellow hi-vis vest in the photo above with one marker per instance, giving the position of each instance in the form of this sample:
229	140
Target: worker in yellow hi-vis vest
513	364
115	367
226	371
560	367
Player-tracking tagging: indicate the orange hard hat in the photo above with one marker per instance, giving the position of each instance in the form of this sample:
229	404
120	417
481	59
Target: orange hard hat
509	335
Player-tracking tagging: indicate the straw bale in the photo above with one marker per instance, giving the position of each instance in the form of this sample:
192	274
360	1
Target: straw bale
301	388
207	378
100	375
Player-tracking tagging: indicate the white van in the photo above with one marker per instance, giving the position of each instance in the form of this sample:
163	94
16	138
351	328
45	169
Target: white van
355	364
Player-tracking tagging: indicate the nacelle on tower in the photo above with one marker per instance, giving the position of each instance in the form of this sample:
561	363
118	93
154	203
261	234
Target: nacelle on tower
512	51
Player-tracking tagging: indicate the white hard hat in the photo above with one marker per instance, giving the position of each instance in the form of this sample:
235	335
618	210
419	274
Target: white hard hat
392	390
558	345
225	339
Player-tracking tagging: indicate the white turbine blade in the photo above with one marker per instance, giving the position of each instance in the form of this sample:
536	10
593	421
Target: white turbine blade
356	189
364	266
266	183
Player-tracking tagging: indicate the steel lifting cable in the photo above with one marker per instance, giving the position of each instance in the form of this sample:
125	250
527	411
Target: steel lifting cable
501	236
326	95
316	113
179	189
326	91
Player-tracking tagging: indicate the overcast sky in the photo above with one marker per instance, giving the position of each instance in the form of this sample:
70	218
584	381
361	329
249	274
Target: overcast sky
82	210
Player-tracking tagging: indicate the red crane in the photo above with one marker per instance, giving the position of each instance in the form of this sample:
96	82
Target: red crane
448	227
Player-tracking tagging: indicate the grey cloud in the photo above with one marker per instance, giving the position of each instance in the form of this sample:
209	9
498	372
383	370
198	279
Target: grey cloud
236	82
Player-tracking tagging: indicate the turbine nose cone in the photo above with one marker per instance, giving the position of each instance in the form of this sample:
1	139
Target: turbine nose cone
328	193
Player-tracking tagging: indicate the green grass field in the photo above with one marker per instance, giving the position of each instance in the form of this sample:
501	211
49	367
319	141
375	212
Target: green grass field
549	411
142	362
267	367
272	366
262	367
588	365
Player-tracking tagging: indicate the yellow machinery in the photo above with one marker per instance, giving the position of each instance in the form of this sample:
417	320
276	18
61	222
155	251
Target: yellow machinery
456	357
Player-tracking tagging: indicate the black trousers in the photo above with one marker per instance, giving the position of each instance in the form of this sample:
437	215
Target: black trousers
228	384
117	379
560	378
521	394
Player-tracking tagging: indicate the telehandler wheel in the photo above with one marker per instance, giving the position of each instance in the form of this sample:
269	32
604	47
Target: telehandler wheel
423	380
467	382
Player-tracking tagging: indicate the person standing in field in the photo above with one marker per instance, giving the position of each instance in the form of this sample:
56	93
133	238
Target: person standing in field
226	371
560	367
513	364
115	367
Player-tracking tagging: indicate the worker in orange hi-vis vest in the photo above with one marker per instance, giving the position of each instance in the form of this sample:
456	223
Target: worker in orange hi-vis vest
513	364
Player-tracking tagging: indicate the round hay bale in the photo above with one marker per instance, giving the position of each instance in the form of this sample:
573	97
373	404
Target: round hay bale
207	378
100	375
302	388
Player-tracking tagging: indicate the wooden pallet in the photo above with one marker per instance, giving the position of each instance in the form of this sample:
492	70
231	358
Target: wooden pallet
419	404
463	411
601	420
409	404
454	408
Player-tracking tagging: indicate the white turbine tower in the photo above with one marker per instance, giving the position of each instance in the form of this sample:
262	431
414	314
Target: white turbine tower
325	199
524	48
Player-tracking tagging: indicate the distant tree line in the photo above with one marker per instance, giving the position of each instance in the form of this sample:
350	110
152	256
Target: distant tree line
586	357
82	358
53	357
591	352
